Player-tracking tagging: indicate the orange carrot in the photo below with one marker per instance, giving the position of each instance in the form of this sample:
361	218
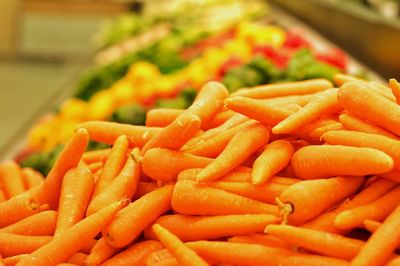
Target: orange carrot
143	188
213	201
273	159
284	89
73	239
360	139
108	132
167	262
88	246
19	208
100	252
95	155
371	225
340	78
132	220
305	131
285	101
351	122
11	177
161	117
165	165
394	262
11	244
218	119
134	255
322	161
376	210
258	110
240	174
381	89
94	167
325	222
323	104
123	186
395	87
113	165
258	255
76	190
2	195
78	259
331	245
296	201
41	224
31	177
318	132
379	247
189	228
393	175
239	148
183	254
261	239
158	256
11	261
366	104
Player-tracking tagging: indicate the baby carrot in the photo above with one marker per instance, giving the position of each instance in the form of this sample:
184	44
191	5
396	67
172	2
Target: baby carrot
31	177
261	239
76	190
328	244
113	165
284	89
393	175
318	132
94	167
2	196
11	244
395	87
379	247
100	252
123	186
273	159
381	89
78	258
165	165
183	254
360	139
394	262
305	131
132	220
72	240
239	148
240	174
95	155
376	210
161	117
322	161
323	104
295	100
189	228
218	119
167	262
108	132
143	188
340	78
296	201
366	104
371	225
351	122
11	177
11	261
41	224
134	255
213	201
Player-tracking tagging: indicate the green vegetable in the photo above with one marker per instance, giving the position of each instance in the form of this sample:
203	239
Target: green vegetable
182	101
129	114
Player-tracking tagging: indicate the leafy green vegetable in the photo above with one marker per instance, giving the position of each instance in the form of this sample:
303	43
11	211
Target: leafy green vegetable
129	114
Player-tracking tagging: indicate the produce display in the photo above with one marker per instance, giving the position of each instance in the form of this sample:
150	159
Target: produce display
292	173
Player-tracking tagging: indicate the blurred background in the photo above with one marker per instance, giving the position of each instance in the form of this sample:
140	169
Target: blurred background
68	61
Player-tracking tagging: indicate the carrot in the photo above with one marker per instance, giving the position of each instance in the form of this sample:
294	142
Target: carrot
395	87
379	247
393	175
318	132
213	201
261	239
381	89
285	89
189	228
11	244
298	204
328	244
11	261
94	167
340	78
325	222
73	239
78	259
132	220
158	256
31	177
218	119
273	159
113	165
100	252
376	210
323	104
183	254
366	104
258	255
213	146
285	101
123	186
76	190
258	110
305	131
41	224
161	117
240	174
322	161
67	264
176	134
2	196
108	132
88	246
18	208
351	122
165	165
239	148
143	188
265	193
134	255
11	177
371	225
95	155
394	262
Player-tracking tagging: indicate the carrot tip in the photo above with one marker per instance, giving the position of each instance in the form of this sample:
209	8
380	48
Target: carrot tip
285	209
125	202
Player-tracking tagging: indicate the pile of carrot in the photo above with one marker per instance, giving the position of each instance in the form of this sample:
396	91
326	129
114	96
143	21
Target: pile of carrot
289	174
